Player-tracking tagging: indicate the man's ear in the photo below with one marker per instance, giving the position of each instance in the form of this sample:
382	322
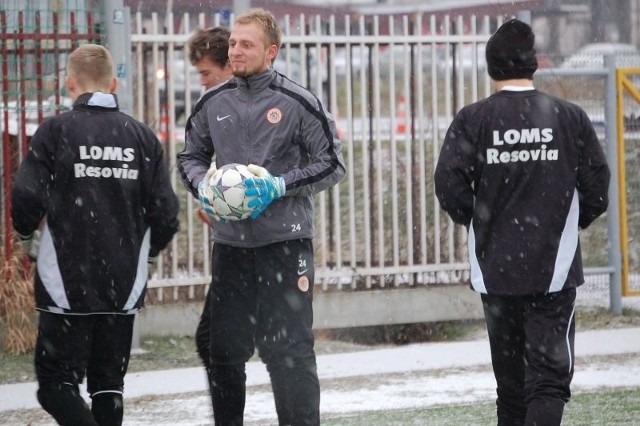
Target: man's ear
114	85
70	83
72	87
273	52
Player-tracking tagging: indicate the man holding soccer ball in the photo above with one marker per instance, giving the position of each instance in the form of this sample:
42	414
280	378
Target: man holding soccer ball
262	266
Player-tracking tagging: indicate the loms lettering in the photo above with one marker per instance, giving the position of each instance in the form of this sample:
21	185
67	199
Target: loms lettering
522	136
114	153
513	136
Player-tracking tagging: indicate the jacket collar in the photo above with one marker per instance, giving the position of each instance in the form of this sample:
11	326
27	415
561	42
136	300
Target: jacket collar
256	82
97	99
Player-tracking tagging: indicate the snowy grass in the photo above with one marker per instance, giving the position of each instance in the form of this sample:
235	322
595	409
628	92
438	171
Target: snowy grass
160	353
604	408
427	384
155	353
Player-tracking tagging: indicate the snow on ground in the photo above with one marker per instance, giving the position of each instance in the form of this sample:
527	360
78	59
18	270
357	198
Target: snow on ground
409	376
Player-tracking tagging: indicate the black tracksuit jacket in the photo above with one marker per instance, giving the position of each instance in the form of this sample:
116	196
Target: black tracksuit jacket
95	182
524	171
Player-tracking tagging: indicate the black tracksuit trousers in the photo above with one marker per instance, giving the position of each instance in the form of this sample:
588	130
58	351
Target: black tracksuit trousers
532	352
263	297
69	347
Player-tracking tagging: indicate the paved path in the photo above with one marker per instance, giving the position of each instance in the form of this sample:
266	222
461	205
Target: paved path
413	358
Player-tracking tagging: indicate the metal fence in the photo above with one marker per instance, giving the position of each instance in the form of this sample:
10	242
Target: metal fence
393	85
33	49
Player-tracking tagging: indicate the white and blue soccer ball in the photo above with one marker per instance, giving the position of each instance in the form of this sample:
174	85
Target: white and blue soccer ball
227	190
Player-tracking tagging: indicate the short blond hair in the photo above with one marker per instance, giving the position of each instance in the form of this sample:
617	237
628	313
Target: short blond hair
265	20
91	66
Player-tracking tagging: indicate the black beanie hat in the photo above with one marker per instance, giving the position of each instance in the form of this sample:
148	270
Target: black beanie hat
510	53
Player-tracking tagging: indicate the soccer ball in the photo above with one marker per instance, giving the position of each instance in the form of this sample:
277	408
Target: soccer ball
227	191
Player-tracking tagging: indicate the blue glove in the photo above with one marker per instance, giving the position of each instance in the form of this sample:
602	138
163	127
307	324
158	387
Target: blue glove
264	188
205	195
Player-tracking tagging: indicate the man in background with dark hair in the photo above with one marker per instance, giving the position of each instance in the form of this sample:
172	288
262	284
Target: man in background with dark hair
524	172
209	54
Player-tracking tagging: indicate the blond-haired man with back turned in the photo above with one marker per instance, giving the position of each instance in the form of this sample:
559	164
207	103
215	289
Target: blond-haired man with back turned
96	180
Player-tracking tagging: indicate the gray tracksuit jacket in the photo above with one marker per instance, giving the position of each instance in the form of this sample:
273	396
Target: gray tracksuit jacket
273	122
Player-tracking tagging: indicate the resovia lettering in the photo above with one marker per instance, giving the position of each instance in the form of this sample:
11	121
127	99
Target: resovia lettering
539	152
107	153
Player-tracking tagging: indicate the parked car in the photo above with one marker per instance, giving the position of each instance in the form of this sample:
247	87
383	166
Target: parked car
592	56
447	58
587	90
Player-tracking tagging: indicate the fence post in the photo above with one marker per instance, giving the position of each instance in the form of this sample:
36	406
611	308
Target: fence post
613	213
117	38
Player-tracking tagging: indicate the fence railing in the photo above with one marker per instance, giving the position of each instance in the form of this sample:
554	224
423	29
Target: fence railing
393	86
392	83
33	48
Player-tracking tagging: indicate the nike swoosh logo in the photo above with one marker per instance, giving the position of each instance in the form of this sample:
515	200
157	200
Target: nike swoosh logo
222	118
300	272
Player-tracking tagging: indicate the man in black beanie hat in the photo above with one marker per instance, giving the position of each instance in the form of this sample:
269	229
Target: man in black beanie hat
524	172
510	52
